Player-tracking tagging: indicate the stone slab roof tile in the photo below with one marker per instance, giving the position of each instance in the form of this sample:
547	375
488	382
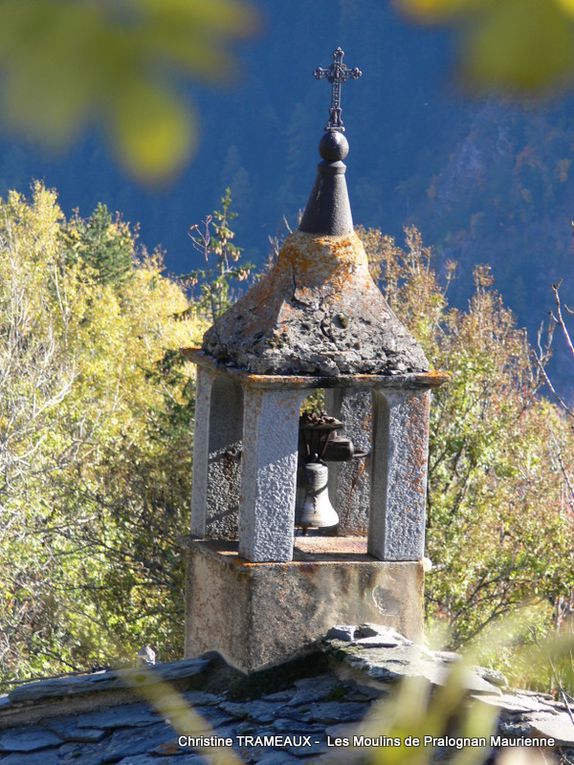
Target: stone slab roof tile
148	759
96	681
28	740
304	710
44	757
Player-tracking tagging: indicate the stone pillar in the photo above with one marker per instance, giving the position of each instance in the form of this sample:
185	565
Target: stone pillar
269	473
349	482
225	433
399	474
203	388
217	456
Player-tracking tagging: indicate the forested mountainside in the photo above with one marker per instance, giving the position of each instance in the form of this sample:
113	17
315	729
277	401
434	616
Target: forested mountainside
485	181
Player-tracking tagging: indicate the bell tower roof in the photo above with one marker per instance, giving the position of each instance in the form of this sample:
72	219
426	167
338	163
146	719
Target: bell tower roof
318	310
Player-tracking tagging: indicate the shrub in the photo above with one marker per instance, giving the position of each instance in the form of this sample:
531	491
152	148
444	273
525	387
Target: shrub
95	408
499	523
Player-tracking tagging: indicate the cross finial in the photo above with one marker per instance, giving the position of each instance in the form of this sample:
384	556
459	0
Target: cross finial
336	74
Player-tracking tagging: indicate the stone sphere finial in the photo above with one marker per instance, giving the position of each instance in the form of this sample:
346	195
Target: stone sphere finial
333	146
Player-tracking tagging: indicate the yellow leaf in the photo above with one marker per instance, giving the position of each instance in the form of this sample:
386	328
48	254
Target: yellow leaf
520	46
153	133
567	5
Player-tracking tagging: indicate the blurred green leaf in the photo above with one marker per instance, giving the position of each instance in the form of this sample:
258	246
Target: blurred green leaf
64	64
520	45
567	5
516	46
152	131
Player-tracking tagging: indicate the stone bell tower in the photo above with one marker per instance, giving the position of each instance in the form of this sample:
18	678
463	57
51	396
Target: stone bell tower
261	583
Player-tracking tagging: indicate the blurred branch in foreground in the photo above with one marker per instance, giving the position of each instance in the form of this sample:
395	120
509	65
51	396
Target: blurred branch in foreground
66	64
172	706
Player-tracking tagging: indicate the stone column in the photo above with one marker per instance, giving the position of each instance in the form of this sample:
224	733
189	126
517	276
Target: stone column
399	474
217	456
269	473
349	482
203	388
225	434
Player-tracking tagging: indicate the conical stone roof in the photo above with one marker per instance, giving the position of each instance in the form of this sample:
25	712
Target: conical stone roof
318	310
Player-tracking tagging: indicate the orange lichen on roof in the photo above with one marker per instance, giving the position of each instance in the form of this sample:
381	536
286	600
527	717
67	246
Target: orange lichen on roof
317	311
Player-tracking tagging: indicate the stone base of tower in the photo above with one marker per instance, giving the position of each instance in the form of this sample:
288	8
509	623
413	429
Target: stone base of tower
257	615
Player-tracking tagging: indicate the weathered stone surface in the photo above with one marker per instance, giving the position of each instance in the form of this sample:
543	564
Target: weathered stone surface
180	759
215	717
448	657
492	676
104	681
389	664
43	757
317	312
335	711
511	702
217	456
269	474
133	715
377	642
87	754
277	758
177	670
350	482
314	706
277	696
368	630
340	729
284	725
201	698
129	741
559	727
260	711
317	746
68	729
366	693
399	474
84	735
514	728
311	689
378	636
65	686
28	739
341	632
223	590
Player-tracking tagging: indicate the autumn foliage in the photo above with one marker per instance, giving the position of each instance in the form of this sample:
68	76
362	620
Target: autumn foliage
94	445
96	405
500	516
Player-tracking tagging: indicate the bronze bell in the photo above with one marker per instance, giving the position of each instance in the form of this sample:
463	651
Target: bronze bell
316	509
319	444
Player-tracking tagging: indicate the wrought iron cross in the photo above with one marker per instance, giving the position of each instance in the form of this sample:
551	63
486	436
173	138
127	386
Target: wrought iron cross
336	74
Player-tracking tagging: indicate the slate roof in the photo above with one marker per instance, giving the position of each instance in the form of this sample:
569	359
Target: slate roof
96	719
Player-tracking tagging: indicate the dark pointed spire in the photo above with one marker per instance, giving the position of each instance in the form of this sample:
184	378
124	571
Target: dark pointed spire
328	210
318	310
